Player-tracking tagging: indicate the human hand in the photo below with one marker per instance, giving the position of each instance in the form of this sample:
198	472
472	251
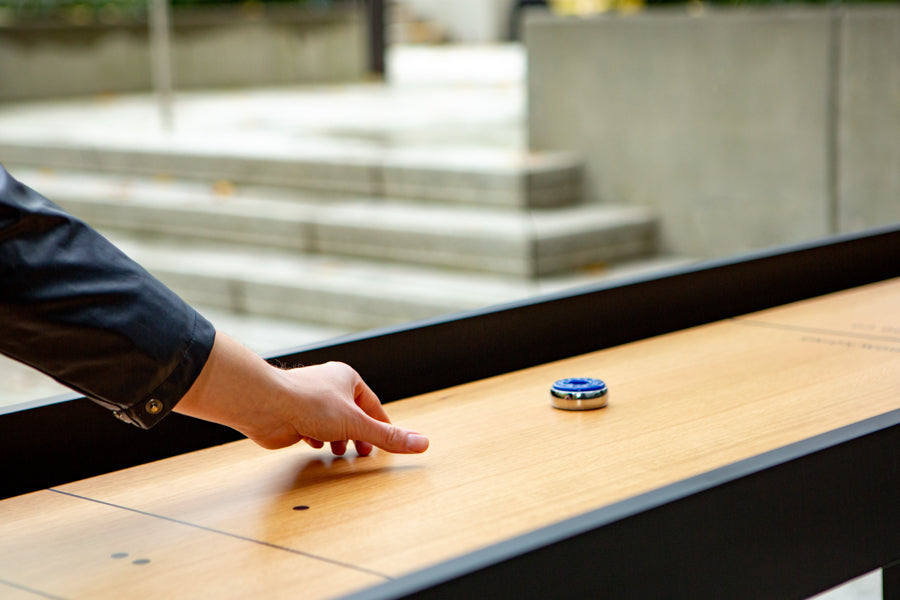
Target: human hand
277	408
331	403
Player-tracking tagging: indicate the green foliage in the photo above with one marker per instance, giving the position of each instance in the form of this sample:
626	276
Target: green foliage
73	11
81	12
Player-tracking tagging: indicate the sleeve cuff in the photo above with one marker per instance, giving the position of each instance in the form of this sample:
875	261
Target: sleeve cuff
160	402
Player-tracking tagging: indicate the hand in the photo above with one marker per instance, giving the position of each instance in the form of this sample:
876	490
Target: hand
277	408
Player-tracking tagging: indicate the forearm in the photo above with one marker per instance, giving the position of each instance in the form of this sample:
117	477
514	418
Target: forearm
235	388
78	309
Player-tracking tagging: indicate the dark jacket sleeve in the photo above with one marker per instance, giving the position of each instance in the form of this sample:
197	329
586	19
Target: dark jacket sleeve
75	307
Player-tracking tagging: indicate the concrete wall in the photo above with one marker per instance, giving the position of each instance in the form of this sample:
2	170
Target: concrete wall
743	128
868	135
212	50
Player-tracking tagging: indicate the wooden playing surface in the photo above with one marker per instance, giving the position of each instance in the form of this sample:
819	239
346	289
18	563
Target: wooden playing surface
222	522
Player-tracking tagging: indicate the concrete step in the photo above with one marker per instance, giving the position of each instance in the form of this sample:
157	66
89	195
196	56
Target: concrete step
457	175
524	243
348	294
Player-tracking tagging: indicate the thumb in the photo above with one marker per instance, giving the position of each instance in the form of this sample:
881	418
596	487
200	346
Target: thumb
391	438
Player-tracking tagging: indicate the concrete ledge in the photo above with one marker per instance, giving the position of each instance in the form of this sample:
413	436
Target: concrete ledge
503	178
486	177
323	289
351	294
522	243
209	49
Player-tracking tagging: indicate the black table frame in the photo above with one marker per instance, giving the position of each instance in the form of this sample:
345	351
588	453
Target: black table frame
786	524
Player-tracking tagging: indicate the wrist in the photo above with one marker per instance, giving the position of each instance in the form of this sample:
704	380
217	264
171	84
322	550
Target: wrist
231	387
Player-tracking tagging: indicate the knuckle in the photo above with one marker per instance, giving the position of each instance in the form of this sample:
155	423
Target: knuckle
394	437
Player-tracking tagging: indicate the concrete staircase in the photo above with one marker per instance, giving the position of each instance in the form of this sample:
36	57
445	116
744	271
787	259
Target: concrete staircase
352	244
338	208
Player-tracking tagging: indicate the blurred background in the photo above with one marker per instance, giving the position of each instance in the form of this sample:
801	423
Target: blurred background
300	170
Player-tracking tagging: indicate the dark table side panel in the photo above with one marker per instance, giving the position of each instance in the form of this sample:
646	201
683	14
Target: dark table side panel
69	441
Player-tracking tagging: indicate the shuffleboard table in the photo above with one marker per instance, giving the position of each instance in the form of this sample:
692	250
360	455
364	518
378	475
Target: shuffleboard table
750	448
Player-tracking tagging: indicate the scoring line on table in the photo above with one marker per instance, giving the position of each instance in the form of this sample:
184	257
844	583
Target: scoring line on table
25	588
816	330
229	534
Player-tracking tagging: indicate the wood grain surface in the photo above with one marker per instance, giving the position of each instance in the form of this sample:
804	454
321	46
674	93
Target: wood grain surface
222	521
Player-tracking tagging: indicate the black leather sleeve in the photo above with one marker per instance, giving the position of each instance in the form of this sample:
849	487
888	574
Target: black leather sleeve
75	307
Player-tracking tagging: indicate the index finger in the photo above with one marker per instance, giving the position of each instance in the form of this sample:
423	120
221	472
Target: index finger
370	404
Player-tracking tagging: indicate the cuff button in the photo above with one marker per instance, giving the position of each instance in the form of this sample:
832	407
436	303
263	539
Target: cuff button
154	407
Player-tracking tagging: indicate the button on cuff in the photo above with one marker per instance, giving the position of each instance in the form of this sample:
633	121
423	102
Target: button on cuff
144	414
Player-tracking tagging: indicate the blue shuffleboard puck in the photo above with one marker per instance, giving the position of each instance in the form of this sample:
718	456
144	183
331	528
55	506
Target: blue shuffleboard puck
579	393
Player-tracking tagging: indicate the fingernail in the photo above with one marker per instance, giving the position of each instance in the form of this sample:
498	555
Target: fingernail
416	443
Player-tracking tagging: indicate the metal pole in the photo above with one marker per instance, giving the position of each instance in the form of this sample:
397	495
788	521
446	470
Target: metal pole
161	60
376	16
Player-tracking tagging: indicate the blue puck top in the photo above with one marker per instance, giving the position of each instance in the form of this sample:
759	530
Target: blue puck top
579	384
